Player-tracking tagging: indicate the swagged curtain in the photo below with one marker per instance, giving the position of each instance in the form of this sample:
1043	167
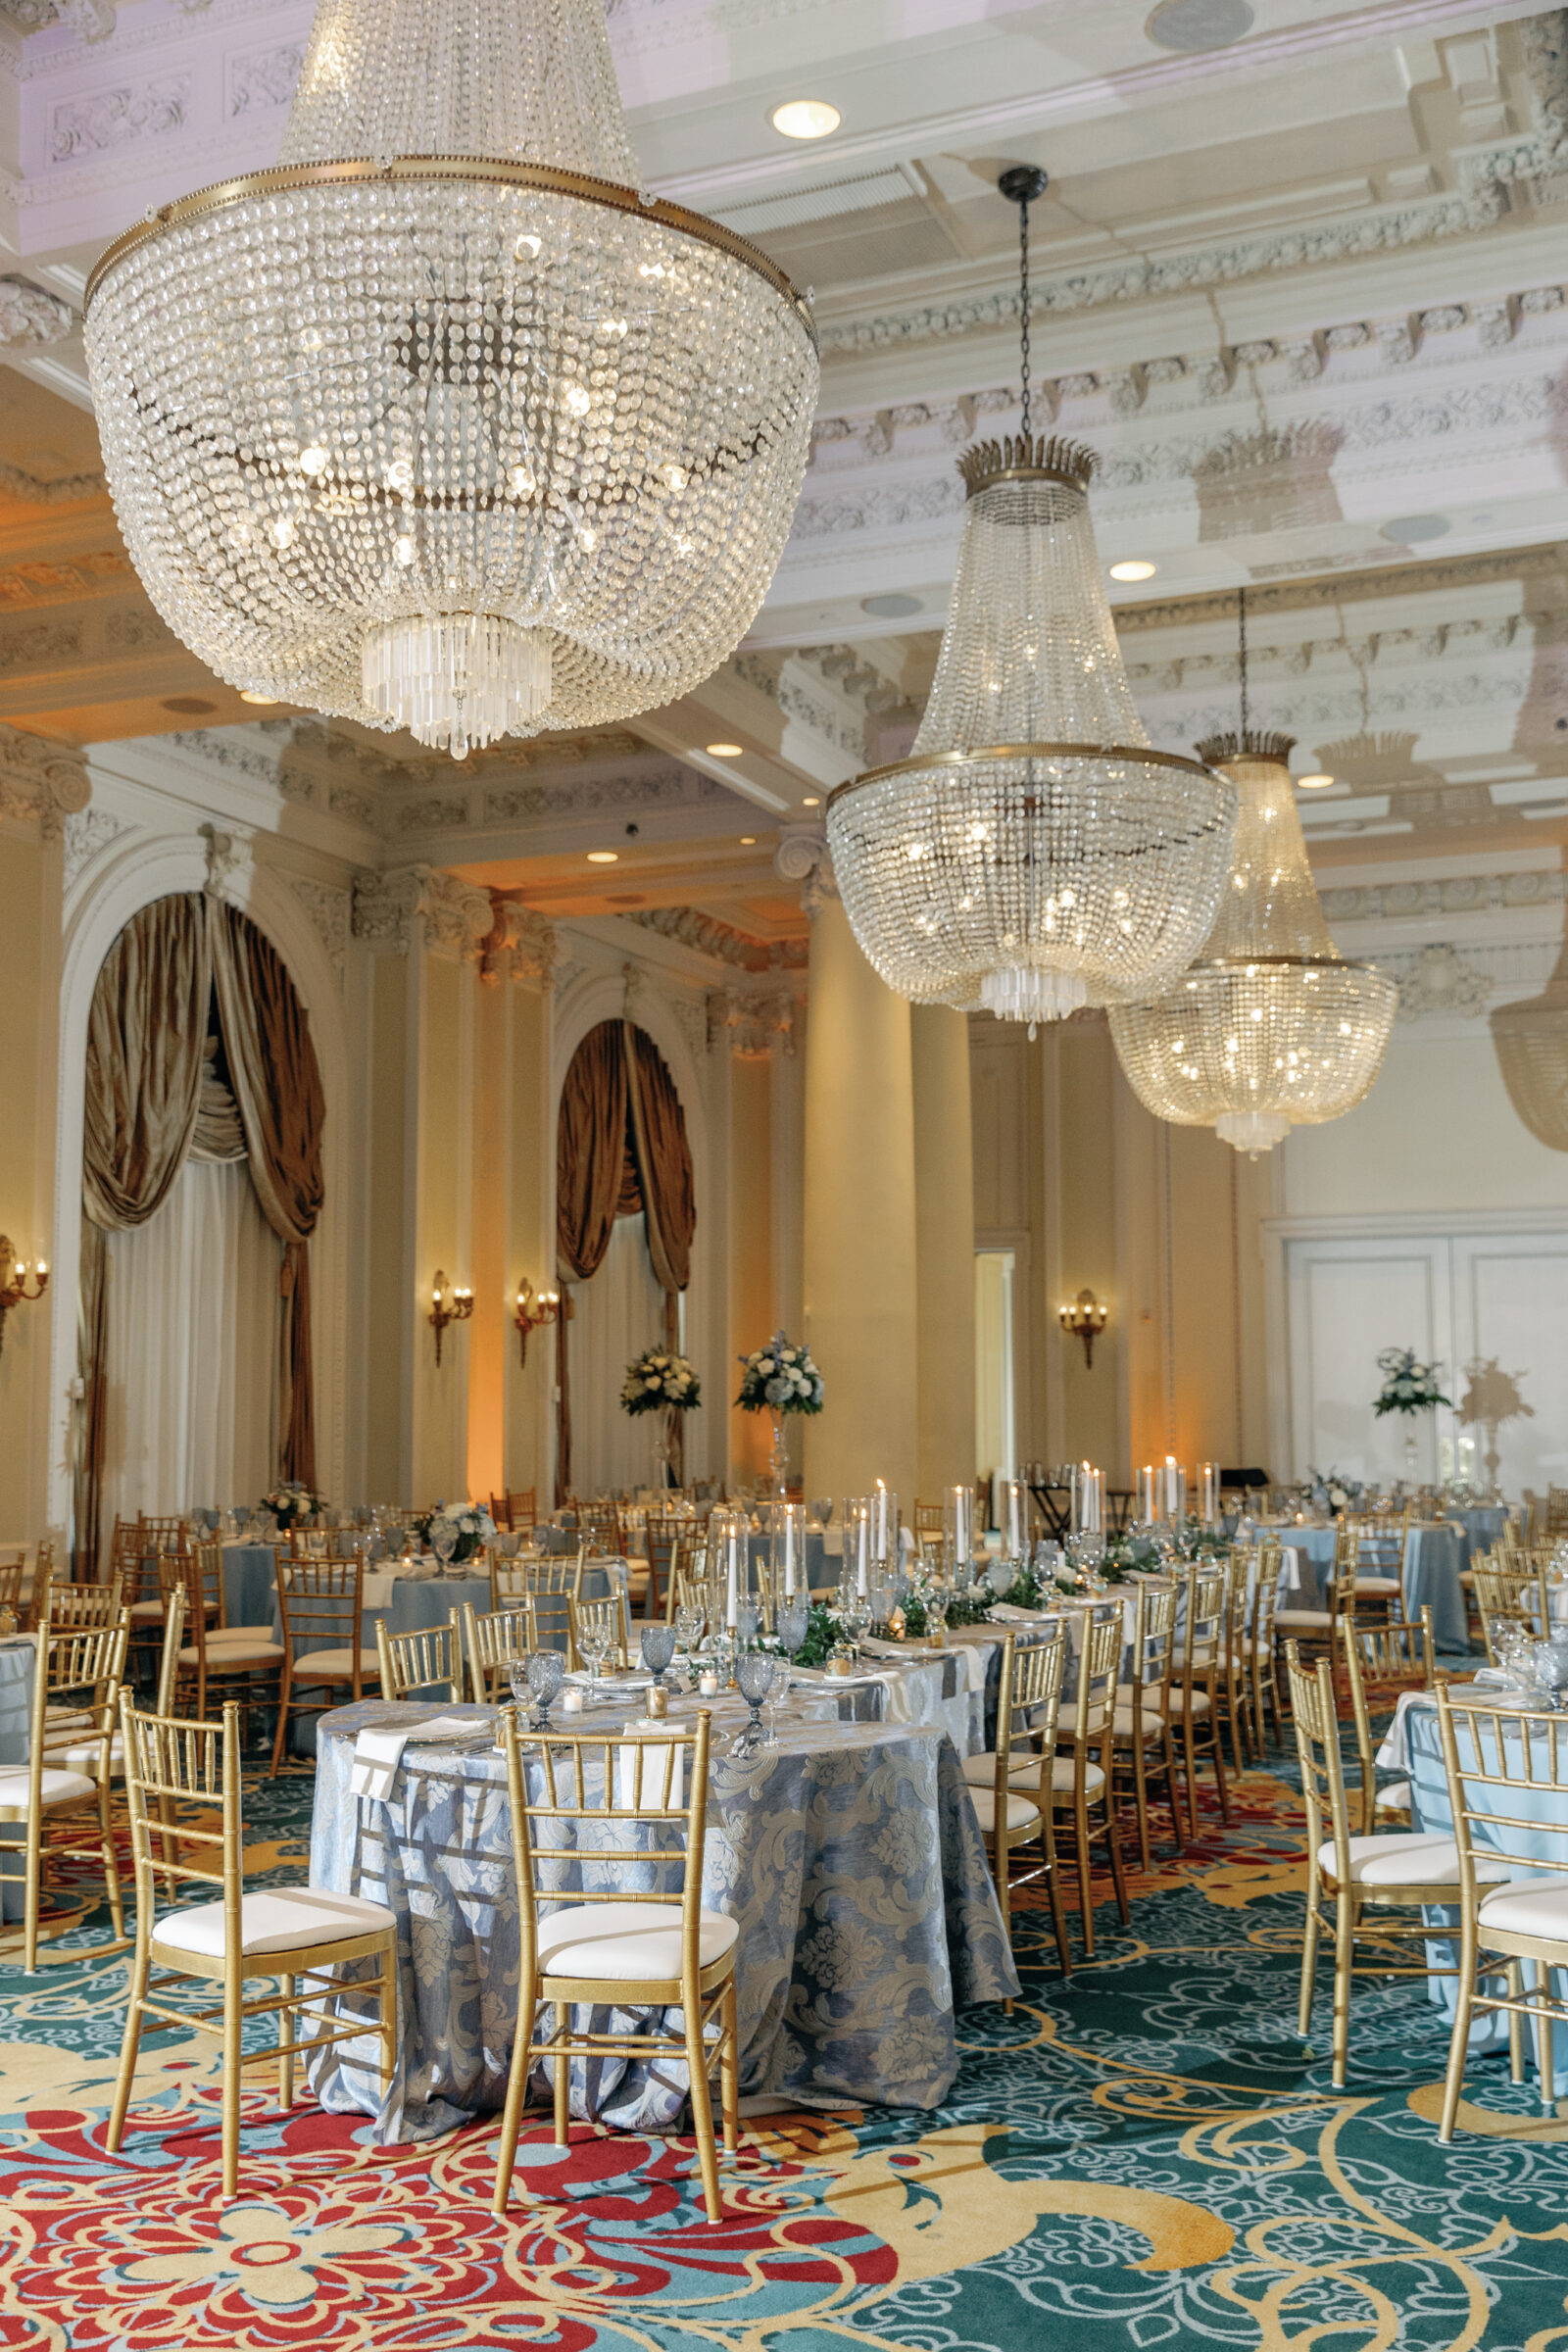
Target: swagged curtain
152	1096
621	1147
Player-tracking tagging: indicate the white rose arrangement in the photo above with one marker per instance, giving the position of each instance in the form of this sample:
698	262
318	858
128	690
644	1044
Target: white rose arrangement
1409	1384
659	1381
780	1378
472	1528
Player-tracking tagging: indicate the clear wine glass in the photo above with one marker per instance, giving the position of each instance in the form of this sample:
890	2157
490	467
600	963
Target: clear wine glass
755	1675
748	1617
547	1669
936	1609
793	1622
444	1542
1001	1576
657	1647
594	1640
821	1508
517	1677
690	1619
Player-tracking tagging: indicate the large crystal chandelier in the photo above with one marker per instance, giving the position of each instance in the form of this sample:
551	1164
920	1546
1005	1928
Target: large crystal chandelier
1531	1042
1033	854
1271	1028
443	424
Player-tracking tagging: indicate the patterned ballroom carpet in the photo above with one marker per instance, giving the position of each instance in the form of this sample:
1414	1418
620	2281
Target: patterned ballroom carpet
1145	2156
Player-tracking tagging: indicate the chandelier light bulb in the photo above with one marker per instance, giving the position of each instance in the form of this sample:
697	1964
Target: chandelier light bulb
445	422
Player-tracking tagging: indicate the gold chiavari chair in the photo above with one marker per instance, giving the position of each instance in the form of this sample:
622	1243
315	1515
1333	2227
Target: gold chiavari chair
1081	1780
241	1662
594	1617
1232	1680
1507	1774
501	1514
495	1643
65	1804
419	1661
80	1605
1143	1747
1351	1876
929	1520
296	1937
1262	1657
1015	1805
642	1812
1512	1597
1380	1661
13	1567
662	1536
595	1526
1195	1683
1556	1523
522	1507
549	1584
321	1607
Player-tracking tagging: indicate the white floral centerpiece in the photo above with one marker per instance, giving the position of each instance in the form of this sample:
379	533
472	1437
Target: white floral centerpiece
659	1381
1334	1490
1409	1386
471	1529
780	1379
292	1503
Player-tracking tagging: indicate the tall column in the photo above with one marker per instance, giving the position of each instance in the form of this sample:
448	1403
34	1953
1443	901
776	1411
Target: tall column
944	1238
30	894
860	1230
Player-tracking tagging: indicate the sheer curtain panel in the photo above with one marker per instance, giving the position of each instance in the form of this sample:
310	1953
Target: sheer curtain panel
618	1313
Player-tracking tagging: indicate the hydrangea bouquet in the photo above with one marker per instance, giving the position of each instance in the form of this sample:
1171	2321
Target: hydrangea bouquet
780	1378
658	1382
1409	1386
470	1527
1334	1490
291	1504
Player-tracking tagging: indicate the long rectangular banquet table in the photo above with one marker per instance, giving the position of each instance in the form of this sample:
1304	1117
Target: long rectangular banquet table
849	1853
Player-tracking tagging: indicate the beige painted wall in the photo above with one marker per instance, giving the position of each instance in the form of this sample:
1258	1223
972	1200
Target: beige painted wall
442	1228
388	1277
944	1233
751	1313
529	1241
30	997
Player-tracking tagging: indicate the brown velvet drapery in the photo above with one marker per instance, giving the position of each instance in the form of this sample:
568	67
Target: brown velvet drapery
278	1085
146	1033
621	1145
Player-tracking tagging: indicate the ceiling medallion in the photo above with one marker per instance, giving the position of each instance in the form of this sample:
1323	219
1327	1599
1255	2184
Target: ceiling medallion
1033	854
443	424
1271	1028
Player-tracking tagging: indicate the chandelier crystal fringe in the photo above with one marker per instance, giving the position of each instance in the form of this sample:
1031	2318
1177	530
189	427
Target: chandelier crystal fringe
1032	854
1271	1028
443	424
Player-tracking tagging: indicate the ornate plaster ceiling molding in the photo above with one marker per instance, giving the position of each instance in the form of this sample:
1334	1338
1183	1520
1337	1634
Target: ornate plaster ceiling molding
804	857
41	783
85	834
30	584
456	919
64	490
707	935
1440	981
332	916
520	945
754	1024
1456	894
30	314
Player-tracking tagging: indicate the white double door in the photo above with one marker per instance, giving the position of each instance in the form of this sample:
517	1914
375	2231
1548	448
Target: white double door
1490	1304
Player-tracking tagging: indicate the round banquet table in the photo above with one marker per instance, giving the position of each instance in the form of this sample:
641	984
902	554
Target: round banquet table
17	1658
1435	1551
849	1854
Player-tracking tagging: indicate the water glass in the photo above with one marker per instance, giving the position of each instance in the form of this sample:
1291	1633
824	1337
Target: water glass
821	1508
594	1640
444	1542
1001	1576
659	1647
748	1617
754	1675
794	1620
547	1669
690	1619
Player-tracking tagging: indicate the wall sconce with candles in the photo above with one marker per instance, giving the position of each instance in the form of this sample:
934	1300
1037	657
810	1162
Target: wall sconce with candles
14	1282
449	1303
534	1309
1085	1320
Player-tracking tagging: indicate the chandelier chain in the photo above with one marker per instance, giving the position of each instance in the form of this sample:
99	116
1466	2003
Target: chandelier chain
1240	617
1023	307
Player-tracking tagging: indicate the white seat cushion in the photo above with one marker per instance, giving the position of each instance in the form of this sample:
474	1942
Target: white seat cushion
284	1918
1065	1779
1393	1797
228	1657
1301	1621
1379	1588
142	1610
624	1942
1021	1814
81	1755
335	1665
58	1787
1408	1858
1152	1728
238	1633
981	1771
1534	1906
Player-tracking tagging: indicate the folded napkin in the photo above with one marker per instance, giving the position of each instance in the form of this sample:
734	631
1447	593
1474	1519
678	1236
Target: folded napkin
377	1754
377	1589
1011	1614
897	1708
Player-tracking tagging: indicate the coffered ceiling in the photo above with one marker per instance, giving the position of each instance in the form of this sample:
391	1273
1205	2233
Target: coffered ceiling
1299	282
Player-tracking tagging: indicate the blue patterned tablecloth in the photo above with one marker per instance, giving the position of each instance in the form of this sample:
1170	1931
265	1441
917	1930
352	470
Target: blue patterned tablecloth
17	1658
849	1854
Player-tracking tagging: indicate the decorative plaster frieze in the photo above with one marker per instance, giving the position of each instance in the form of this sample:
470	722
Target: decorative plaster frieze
262	79
520	945
1461	894
228	852
249	751
1440	982
62	491
706	935
456	918
41	782
330	913
85	833
29	314
121	117
753	1025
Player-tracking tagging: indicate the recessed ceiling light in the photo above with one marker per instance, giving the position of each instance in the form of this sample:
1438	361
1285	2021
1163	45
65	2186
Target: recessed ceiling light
1314	783
804	119
246	697
1133	570
725	751
603	856
1408	531
896	606
1197	24
188	706
810	800
747	841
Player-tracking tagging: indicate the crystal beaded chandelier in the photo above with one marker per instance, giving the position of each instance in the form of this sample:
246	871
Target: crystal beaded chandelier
1271	1028
443	424
1033	854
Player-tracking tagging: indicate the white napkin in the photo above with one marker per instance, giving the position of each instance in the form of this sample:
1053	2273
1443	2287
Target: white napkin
1394	1753
897	1708
377	1754
377	1589
1012	1614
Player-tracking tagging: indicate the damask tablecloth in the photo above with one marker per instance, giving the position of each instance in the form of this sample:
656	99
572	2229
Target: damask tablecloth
849	1854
